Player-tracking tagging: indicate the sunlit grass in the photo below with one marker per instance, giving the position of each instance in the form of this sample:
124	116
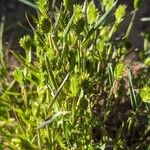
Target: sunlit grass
73	89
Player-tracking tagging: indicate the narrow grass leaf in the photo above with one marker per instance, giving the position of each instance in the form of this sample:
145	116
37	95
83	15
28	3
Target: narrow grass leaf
53	118
110	74
13	93
23	62
29	3
1	41
132	92
58	91
145	19
67	29
50	73
57	19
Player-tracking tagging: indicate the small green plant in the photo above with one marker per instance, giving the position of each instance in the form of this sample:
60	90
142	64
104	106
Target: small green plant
72	68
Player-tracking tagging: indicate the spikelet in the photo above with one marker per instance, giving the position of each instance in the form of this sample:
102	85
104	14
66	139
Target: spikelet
74	85
147	61
92	13
77	9
119	71
26	42
145	94
120	13
108	3
19	76
42	6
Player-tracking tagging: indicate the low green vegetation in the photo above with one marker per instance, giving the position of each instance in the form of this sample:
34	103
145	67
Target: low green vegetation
73	88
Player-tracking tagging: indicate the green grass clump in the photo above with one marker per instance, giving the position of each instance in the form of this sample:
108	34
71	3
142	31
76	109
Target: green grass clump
72	89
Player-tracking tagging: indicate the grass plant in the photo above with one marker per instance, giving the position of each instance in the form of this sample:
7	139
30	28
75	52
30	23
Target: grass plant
72	89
